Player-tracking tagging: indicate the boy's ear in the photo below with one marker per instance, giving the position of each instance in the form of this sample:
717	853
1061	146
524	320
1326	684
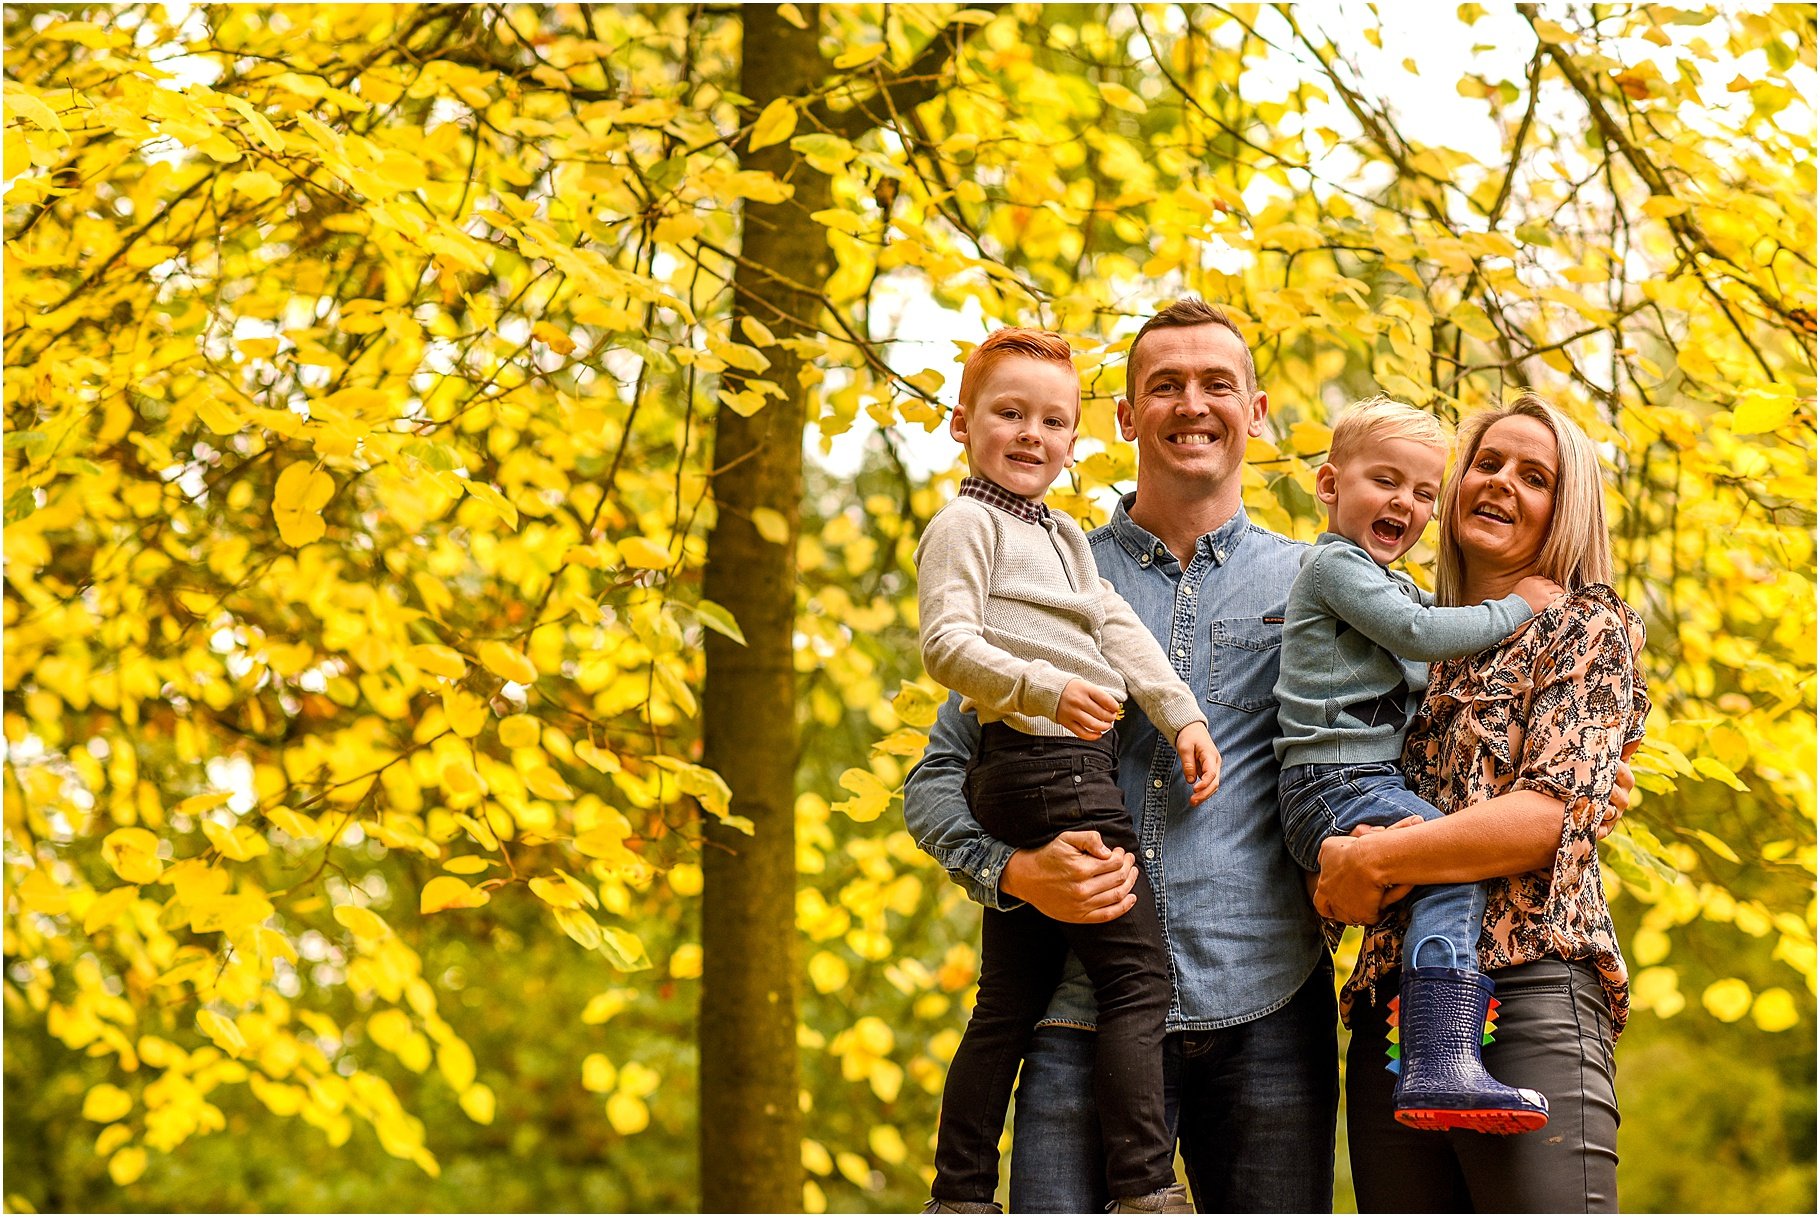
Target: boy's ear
957	422
1326	483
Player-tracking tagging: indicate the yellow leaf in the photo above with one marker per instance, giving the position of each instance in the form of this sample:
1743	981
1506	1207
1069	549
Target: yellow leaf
685	961
1309	438
888	1144
456	1062
439	661
1662	206
1120	98
218	417
519	731
1760	410
627	1114
478	1102
239	842
107	908
544	782
365	923
771	525
870	796
127	1165
256	184
466	713
556	892
1548	31
195	805
467	864
1727	1000
1774	1010
641	553
1713	843
303	488
133	853
856	1169
598	1074
816	1158
864	53
447	892
554	338
28	107
623	949
685	879
223	1031
828	972
104	1104
756	333
794	15
775	124
507	662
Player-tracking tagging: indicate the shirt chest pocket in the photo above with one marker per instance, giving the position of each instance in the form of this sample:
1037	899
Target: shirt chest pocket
1246	653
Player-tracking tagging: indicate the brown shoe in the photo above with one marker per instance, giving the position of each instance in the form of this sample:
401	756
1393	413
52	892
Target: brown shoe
1171	1199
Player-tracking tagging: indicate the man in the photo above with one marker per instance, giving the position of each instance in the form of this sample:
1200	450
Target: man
1251	1057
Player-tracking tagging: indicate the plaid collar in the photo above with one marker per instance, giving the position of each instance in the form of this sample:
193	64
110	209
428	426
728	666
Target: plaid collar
1031	511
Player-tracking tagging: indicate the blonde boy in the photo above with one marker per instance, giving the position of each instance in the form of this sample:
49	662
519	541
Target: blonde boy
1016	619
1357	639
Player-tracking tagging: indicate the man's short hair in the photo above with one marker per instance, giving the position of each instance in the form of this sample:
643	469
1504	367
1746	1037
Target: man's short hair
1382	417
1189	311
1009	342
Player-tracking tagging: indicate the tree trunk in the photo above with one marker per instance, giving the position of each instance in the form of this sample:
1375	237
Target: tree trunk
751	1126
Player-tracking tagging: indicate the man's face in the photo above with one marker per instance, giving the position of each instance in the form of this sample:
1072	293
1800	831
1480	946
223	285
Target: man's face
1188	410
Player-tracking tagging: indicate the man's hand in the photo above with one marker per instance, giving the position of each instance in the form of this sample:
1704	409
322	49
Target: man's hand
1539	592
1087	710
1344	891
1073	878
1200	761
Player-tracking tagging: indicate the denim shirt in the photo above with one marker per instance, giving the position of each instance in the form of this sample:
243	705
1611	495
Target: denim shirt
1236	918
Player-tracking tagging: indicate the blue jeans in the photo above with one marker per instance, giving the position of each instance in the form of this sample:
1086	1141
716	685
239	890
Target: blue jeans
1321	801
1253	1108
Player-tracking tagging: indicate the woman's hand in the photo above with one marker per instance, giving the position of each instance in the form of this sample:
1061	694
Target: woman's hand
1346	889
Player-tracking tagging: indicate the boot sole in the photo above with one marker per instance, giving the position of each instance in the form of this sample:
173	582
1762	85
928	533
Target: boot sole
1497	1122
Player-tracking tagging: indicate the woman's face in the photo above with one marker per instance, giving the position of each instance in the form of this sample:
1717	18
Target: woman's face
1507	495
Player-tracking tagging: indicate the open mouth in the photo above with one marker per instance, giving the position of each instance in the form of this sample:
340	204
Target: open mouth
1191	439
1388	532
1495	514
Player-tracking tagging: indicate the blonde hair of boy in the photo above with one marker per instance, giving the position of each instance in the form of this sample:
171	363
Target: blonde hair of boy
1378	418
1577	550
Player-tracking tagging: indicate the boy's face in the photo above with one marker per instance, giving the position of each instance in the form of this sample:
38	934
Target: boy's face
1019	432
1383	496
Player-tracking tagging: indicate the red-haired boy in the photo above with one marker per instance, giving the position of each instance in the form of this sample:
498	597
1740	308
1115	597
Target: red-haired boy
1016	619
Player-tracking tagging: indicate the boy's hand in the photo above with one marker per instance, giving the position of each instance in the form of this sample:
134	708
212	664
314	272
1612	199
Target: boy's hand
1087	710
1538	592
1200	761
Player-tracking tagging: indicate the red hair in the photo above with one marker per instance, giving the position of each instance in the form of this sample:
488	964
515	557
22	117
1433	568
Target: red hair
1012	342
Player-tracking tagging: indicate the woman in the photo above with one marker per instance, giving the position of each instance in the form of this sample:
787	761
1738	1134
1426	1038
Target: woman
1520	744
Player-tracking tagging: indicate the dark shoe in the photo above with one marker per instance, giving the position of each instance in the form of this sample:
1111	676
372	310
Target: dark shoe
1441	1020
961	1206
1171	1199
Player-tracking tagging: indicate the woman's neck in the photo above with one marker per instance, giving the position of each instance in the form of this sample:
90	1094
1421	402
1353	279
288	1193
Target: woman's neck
1481	583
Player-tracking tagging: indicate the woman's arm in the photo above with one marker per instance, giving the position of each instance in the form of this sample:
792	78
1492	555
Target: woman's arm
1509	835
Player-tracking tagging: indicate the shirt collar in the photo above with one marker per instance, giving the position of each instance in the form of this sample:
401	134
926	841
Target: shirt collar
1145	549
1031	511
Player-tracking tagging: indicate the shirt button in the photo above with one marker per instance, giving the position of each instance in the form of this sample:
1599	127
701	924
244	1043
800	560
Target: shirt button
1077	779
1157	782
1150	853
1144	560
1220	554
1180	651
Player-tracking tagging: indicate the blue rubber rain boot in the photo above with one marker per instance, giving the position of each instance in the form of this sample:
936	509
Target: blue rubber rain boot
1442	1019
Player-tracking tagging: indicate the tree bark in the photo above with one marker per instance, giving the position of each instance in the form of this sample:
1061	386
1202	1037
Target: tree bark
751	1125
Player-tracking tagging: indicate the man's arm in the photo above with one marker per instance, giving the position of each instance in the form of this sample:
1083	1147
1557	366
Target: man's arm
1073	878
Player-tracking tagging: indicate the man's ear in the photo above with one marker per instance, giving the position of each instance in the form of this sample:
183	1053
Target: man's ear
1326	486
1127	420
1260	406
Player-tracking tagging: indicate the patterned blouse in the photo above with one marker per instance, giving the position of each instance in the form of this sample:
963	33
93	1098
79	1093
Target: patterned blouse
1547	710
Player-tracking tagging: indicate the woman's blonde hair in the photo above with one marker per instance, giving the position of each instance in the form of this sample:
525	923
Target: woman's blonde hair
1577	549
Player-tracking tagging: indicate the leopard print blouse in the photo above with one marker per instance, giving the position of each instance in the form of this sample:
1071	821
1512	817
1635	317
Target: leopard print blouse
1548	710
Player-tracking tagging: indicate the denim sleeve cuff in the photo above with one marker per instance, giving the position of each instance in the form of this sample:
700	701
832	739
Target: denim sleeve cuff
978	867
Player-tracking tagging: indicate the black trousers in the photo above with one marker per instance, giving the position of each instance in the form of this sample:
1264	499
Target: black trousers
1554	1035
1025	790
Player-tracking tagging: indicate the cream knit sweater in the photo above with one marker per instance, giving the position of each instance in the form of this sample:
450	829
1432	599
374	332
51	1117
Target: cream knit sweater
1012	611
